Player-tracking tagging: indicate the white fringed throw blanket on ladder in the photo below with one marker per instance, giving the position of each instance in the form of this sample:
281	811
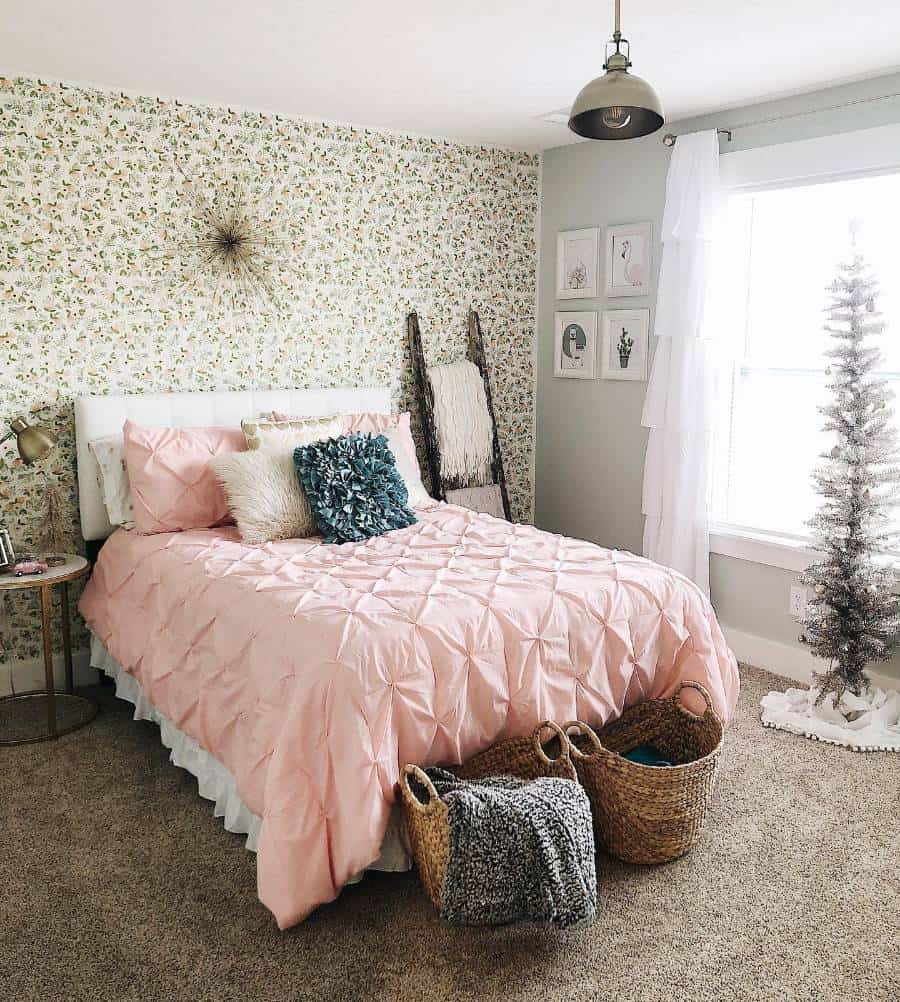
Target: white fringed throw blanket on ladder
465	433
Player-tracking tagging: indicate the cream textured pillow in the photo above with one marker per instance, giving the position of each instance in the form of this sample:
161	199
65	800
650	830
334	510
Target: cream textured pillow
265	495
280	435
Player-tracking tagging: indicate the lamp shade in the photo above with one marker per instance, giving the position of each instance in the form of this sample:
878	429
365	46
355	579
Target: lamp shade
33	441
617	105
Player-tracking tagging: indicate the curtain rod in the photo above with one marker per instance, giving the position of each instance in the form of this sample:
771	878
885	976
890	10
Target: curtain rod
669	138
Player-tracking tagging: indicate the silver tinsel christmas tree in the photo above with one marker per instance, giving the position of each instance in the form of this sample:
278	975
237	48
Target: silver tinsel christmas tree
854	617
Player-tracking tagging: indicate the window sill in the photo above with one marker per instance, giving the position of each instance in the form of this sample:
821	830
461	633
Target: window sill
791	553
788	553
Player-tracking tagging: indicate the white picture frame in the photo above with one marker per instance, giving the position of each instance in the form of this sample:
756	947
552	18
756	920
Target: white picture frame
7	553
625	345
578	263
629	259
575	345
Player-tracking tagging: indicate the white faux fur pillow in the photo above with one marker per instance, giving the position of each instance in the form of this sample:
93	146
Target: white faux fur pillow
265	495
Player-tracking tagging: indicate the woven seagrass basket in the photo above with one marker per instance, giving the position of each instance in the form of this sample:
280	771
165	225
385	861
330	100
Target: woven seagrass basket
425	821
649	814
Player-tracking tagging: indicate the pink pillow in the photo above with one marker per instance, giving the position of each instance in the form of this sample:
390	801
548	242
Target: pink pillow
173	483
377	423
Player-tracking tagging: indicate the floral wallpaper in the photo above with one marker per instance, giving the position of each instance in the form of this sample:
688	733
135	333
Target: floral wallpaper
96	295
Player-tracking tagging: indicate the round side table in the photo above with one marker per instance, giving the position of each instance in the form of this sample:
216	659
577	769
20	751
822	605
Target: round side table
62	711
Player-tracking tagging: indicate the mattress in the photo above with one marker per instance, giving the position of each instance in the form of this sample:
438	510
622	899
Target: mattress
312	672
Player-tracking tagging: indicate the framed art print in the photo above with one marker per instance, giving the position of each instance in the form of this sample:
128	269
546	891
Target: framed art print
628	250
625	345
7	554
575	345
578	264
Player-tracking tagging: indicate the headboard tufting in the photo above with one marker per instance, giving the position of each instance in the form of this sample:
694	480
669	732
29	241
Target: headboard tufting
96	417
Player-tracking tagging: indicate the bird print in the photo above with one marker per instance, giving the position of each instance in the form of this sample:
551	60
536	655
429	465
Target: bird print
633	270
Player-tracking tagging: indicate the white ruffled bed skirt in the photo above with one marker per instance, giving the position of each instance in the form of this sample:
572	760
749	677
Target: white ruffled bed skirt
214	781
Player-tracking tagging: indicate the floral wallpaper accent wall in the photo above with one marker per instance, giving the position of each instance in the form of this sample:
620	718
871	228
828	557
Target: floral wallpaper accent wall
95	202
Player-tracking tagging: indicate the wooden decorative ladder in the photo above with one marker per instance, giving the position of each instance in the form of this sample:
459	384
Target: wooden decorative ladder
455	485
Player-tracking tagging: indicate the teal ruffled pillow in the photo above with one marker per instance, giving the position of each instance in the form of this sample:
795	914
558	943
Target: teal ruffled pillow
353	487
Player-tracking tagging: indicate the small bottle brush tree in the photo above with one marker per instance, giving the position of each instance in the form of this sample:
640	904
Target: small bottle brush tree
854	616
54	536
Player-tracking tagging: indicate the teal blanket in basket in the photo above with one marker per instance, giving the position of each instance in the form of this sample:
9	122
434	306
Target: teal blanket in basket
518	850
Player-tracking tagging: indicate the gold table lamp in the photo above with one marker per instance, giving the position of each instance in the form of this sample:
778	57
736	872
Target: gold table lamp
33	441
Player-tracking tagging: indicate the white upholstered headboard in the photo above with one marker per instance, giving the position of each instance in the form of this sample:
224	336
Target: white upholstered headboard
96	417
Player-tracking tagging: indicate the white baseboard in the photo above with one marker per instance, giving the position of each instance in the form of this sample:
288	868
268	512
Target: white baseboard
28	673
791	662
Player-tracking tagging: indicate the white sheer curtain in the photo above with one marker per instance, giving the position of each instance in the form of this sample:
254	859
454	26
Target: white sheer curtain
678	408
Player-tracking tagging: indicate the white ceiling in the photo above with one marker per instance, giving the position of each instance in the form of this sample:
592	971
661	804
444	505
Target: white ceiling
472	70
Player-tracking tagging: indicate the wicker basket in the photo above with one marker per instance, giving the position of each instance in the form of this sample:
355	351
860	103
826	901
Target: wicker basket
650	814
425	822
524	758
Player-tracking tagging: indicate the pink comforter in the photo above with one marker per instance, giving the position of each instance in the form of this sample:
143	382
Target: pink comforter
313	671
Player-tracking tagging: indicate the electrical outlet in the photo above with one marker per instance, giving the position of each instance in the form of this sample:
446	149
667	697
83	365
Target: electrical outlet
798	602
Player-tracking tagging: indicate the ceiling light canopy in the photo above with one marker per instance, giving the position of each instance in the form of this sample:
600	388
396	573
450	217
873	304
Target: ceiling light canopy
617	105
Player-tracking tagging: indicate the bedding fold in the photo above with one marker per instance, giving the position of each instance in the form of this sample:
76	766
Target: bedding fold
312	672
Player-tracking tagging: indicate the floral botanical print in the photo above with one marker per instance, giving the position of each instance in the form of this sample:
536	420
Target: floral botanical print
370	225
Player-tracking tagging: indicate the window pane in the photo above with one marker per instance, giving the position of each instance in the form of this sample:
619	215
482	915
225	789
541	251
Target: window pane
783	248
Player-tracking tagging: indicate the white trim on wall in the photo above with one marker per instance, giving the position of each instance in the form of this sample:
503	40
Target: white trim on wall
790	553
761	548
789	661
24	674
812	161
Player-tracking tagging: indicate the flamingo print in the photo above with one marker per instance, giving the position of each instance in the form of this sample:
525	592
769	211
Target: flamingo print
633	270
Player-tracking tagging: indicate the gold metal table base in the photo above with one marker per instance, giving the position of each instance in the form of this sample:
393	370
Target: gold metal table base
64	703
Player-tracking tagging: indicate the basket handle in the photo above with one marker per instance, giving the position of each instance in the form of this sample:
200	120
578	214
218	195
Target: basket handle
704	692
564	747
422	777
589	733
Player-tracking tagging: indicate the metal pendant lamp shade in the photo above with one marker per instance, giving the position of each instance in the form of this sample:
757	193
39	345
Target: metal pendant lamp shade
617	105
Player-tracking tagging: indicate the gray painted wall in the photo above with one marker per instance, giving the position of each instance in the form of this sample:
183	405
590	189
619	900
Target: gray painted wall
590	443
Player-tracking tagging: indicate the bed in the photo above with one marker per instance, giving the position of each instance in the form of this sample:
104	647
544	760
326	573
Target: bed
301	675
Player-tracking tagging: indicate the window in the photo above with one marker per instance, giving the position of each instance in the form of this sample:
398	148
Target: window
781	250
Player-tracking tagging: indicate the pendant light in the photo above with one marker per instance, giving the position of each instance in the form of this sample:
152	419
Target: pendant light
617	105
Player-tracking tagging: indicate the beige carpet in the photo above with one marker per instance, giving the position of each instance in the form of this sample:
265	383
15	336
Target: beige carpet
117	883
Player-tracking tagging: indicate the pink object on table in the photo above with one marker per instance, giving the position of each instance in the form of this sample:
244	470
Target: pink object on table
23	567
313	672
173	484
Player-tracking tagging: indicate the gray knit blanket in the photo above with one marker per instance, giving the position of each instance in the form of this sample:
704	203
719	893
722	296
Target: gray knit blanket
518	850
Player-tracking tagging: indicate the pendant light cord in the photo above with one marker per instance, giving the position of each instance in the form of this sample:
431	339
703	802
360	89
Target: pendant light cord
617	34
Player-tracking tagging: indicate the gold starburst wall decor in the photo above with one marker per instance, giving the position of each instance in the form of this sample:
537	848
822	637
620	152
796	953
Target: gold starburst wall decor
229	246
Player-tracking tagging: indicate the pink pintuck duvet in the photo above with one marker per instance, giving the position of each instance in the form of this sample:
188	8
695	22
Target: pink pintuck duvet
312	672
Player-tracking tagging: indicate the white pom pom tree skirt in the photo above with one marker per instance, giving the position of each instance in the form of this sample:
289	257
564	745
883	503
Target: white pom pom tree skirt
870	722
